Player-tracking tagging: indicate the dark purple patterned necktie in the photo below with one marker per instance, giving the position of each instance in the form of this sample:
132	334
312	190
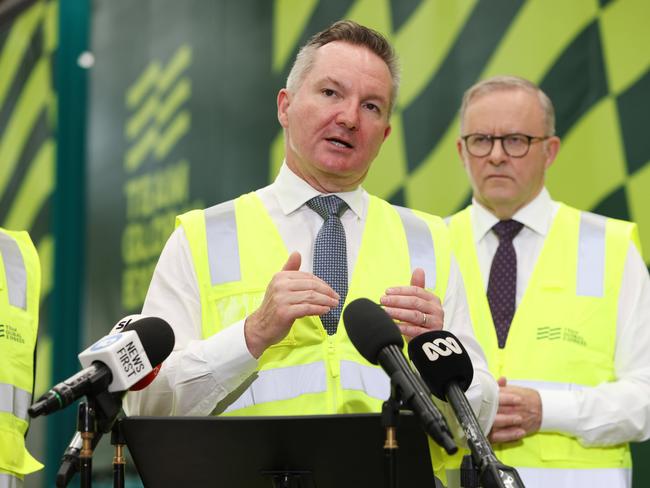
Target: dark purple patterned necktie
502	285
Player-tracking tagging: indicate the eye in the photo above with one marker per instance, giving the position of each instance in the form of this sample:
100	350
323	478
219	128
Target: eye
372	107
328	92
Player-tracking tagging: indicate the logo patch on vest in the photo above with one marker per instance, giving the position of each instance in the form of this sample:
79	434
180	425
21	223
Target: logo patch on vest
560	333
10	333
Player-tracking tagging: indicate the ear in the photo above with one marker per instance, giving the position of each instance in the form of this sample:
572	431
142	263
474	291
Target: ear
284	100
387	131
459	148
552	148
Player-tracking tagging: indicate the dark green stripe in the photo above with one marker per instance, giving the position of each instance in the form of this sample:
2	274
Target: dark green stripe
614	205
428	117
39	133
401	11
634	116
577	80
32	54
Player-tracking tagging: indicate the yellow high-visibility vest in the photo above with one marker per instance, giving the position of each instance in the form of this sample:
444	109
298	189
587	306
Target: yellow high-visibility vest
563	333
20	279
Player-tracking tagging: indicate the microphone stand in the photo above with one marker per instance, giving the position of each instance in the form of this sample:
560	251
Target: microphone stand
389	418
491	472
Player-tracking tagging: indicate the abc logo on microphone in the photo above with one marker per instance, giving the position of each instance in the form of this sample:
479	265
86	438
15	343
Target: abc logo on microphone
441	347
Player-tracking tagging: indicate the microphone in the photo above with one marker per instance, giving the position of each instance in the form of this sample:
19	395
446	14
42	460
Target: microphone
379	341
114	364
447	369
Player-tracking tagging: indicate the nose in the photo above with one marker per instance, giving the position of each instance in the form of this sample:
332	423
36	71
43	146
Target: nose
348	116
497	154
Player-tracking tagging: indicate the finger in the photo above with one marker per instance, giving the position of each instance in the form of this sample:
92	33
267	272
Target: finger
411	317
411	331
293	263
310	283
414	291
417	278
299	310
502	381
428	304
506	420
312	297
506	435
509	399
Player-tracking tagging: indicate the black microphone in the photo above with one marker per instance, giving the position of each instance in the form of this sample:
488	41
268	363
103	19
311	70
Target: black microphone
114	364
447	369
379	341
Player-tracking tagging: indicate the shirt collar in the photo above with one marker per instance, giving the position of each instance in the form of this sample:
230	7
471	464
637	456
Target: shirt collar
293	192
536	215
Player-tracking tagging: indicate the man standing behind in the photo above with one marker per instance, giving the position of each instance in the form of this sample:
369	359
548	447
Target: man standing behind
254	287
559	299
20	286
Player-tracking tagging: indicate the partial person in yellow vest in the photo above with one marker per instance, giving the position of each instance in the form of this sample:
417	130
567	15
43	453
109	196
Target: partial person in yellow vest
254	287
20	282
559	299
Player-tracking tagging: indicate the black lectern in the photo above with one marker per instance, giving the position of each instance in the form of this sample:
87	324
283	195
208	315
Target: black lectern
329	451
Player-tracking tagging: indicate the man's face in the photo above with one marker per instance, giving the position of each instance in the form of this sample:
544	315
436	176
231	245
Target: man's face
337	119
500	182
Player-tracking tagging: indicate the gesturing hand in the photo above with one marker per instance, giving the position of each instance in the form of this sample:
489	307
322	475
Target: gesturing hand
415	309
519	413
291	294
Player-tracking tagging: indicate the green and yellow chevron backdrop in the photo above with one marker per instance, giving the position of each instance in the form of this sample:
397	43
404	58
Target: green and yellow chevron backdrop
27	144
591	57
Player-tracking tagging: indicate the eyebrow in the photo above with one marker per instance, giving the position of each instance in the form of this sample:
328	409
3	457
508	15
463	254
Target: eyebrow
340	85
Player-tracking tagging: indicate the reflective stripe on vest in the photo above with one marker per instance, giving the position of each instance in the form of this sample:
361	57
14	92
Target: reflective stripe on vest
15	271
420	244
373	381
569	478
223	245
290	382
591	255
9	481
278	384
14	400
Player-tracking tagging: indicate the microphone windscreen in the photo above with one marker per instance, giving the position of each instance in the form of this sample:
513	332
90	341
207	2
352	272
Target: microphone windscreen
441	358
370	328
156	335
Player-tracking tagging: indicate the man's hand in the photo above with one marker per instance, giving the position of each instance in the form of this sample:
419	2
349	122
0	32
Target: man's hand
291	294
414	308
519	413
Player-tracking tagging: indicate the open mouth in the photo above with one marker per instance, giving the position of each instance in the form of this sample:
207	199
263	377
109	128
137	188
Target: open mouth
339	142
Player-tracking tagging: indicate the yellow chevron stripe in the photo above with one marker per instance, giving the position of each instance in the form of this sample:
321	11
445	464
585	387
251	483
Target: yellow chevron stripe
51	27
179	95
599	167
16	45
147	80
181	60
639	202
433	37
141	117
35	188
177	129
45	248
140	150
276	155
32	100
538	36
375	14
626	37
43	364
289	20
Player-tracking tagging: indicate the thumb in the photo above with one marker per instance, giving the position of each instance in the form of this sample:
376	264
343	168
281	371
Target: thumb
293	263
417	279
501	381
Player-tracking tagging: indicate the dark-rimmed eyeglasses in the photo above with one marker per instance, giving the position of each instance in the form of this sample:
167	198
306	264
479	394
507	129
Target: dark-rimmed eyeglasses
514	145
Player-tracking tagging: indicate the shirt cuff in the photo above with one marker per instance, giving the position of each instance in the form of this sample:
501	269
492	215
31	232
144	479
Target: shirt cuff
558	411
227	353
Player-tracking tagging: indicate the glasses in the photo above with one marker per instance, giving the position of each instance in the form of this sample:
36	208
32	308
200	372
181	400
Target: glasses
514	145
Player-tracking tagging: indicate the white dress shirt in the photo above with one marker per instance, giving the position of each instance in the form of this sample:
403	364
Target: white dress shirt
201	372
609	413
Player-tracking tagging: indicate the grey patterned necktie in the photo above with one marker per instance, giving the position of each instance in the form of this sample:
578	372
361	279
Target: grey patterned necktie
330	254
502	285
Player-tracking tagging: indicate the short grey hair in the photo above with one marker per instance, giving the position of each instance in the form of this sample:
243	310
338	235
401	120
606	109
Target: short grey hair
504	83
352	33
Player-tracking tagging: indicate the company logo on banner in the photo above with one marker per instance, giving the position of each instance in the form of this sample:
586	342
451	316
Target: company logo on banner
590	58
157	169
